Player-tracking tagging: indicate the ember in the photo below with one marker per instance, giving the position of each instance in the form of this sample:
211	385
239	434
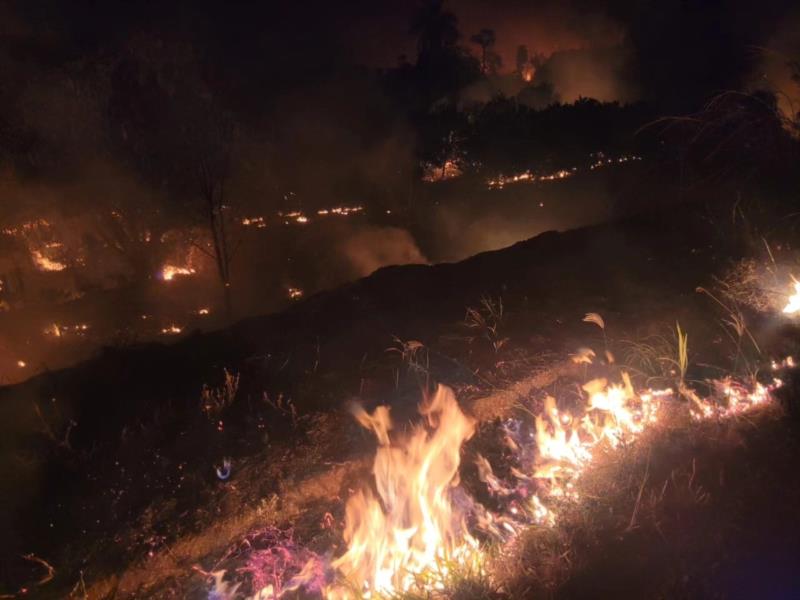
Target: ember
449	170
58	331
171	330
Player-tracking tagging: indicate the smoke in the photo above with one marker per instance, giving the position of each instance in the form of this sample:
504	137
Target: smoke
778	69
544	27
477	221
599	73
375	247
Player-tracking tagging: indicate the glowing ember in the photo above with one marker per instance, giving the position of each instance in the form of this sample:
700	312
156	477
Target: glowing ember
793	304
433	173
43	263
528	177
258	222
786	363
599	160
342	211
203	311
22	364
169	272
294	217
294	293
171	330
58	331
527	73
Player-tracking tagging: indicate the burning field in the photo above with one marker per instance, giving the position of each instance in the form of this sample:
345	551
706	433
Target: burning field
485	445
399	301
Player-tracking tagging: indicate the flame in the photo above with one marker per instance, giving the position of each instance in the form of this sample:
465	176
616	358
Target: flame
410	535
449	170
294	293
565	443
527	176
599	160
56	330
22	364
169	272
407	537
258	222
527	72
43	263
342	211
793	304
171	330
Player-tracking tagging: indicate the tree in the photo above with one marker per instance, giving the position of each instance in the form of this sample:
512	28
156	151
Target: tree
173	132
490	60
213	141
442	67
522	59
436	30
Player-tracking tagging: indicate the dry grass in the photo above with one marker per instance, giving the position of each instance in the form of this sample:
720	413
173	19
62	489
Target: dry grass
665	517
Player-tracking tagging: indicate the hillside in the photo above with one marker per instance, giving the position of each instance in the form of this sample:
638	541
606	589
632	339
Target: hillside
114	469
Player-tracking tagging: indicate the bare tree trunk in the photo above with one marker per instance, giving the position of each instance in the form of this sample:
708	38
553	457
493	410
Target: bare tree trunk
213	192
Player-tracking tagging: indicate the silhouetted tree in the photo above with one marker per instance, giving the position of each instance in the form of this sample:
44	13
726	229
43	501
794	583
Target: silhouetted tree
522	59
436	29
442	66
213	141
490	60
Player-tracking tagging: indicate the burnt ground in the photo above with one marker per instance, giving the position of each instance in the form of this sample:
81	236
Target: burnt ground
108	468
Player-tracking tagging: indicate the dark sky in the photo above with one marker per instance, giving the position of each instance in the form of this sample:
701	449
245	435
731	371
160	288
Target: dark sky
674	44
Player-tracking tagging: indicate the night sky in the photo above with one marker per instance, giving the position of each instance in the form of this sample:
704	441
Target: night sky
692	45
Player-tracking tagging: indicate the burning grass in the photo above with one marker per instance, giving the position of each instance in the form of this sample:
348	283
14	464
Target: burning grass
426	535
575	464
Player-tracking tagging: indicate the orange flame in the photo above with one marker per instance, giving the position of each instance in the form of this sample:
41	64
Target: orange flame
793	304
405	539
169	272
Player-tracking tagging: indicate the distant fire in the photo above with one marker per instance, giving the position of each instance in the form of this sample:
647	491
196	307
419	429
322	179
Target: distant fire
298	217
528	177
599	160
169	272
449	170
171	330
528	72
58	331
44	263
258	222
342	211
294	216
22	364
294	293
203	311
